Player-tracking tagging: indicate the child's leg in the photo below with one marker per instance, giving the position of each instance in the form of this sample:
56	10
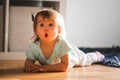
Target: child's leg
91	57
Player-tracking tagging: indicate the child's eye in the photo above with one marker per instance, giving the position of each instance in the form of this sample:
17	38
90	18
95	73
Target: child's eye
50	24
41	25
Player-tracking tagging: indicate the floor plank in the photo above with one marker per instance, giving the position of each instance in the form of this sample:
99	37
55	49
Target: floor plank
13	70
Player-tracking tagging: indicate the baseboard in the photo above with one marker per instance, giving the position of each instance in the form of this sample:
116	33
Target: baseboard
12	56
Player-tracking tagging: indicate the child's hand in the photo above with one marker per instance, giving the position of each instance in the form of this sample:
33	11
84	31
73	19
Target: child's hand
28	67
36	68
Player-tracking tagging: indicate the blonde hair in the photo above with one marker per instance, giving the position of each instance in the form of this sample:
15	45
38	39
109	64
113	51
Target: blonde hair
47	13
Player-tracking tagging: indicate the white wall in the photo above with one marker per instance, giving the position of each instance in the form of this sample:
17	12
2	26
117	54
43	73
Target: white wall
93	23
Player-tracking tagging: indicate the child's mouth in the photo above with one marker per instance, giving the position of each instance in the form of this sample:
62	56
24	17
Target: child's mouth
46	35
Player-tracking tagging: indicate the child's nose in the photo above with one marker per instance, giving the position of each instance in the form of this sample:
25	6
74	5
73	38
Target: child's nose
46	28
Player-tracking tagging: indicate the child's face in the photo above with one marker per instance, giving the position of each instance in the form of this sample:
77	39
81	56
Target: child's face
47	29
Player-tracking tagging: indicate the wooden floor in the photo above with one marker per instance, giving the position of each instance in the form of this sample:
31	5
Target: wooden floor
13	70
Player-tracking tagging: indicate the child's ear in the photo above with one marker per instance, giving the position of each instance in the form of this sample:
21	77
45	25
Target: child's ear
59	30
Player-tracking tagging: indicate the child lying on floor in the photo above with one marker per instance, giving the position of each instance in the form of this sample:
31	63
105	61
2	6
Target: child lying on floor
51	48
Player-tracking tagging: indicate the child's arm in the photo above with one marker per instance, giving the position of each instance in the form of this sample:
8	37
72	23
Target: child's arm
63	66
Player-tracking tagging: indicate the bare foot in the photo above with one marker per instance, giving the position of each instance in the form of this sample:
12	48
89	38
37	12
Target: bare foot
100	56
